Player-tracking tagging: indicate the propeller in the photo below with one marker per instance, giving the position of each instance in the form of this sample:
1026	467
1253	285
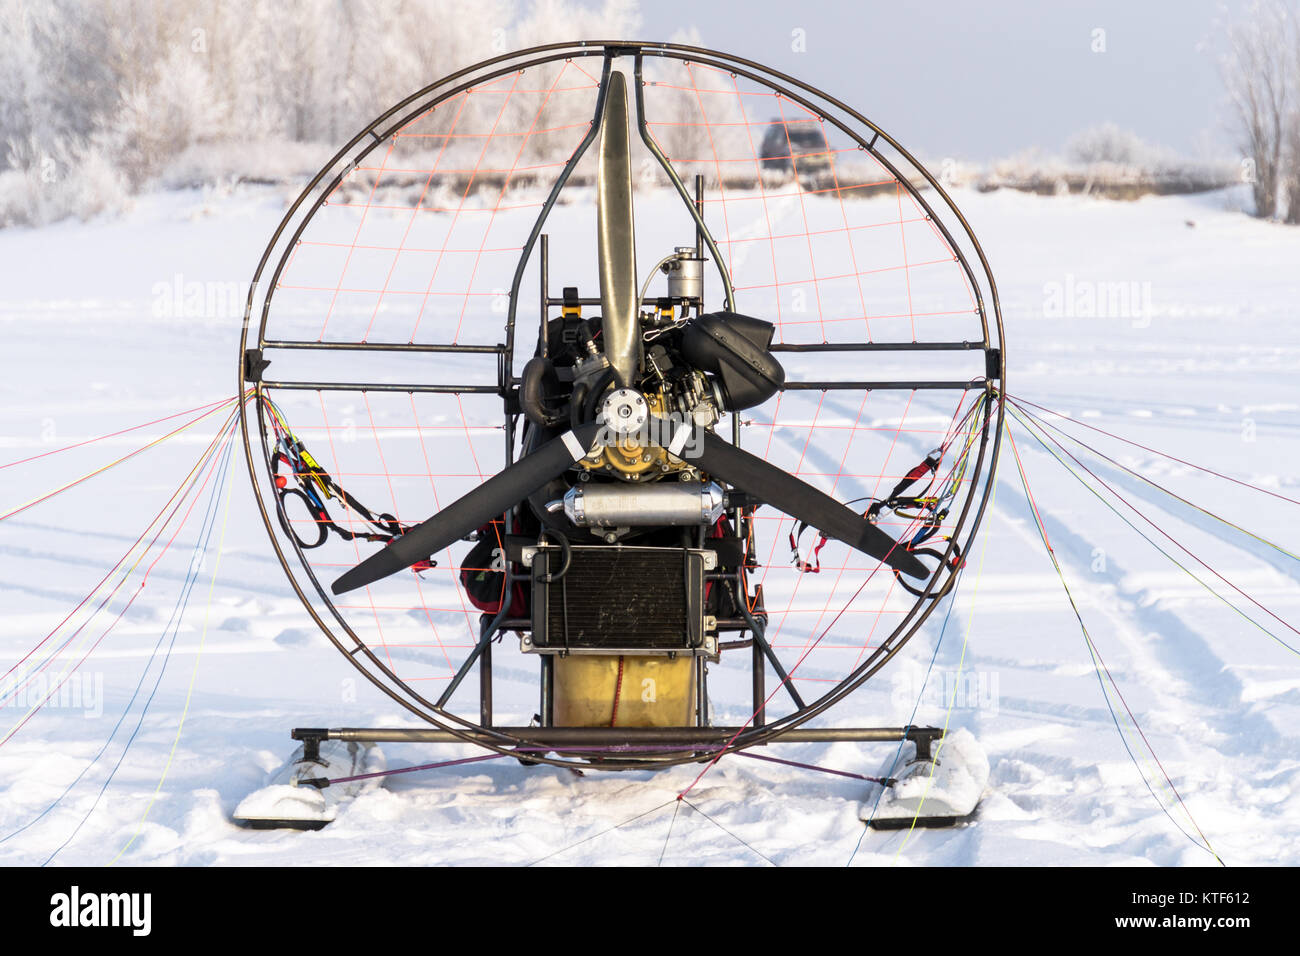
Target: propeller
489	500
760	479
616	239
620	327
753	475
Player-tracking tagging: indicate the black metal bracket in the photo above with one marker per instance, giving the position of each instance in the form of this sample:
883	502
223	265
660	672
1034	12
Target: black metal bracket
254	365
924	738
993	364
311	738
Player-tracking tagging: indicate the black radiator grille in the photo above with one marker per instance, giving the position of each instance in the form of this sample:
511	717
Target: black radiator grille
614	597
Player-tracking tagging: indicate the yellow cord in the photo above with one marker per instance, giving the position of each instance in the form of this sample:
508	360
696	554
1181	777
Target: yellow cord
189	693
952	702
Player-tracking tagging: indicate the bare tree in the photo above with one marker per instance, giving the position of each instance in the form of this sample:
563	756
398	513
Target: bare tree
1258	70
1291	137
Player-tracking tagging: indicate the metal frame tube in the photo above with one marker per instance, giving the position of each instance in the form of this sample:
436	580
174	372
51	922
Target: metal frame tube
600	737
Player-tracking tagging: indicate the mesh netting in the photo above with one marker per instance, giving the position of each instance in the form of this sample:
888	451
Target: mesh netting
418	241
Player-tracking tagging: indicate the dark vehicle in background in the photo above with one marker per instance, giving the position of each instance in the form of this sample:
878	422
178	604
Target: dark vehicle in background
796	147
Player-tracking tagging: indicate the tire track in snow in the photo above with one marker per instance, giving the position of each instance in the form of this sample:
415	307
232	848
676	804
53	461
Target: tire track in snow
1188	667
1191	674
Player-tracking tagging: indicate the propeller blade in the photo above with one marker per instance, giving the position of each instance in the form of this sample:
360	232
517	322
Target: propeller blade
802	501
718	457
489	500
616	238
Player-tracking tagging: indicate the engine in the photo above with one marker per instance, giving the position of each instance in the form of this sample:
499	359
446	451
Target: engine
638	554
693	370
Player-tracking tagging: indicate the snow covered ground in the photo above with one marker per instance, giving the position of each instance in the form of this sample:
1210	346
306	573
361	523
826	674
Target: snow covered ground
1201	364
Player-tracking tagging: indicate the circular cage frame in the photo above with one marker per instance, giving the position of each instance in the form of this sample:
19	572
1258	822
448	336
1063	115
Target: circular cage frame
829	110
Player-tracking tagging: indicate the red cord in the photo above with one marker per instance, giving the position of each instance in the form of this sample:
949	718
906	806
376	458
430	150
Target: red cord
618	691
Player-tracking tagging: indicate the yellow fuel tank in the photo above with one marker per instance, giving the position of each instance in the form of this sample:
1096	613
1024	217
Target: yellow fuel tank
654	691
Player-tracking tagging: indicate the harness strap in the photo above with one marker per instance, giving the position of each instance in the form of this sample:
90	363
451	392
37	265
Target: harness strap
316	486
924	508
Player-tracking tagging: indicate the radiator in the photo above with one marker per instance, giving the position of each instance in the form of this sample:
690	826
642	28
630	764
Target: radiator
614	598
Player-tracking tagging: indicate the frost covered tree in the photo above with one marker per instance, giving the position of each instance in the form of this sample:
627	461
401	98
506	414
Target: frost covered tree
1109	143
1259	70
98	97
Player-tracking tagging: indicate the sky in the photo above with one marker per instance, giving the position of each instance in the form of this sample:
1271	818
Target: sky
987	80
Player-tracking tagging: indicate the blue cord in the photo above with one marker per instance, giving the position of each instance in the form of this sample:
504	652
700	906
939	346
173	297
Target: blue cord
191	578
178	611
